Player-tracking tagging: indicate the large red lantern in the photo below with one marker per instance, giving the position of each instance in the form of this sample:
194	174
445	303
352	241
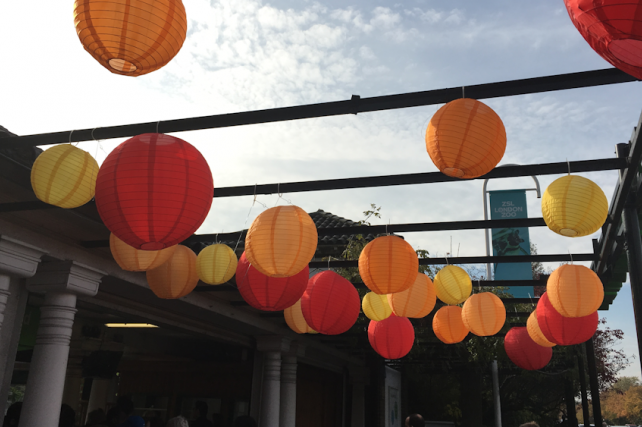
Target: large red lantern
564	330
154	191
524	352
330	303
269	293
391	338
613	28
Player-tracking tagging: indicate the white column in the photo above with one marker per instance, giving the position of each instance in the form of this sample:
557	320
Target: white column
288	384
272	346
61	282
359	378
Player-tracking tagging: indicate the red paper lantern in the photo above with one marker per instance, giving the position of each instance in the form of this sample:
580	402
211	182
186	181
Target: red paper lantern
269	293
524	352
330	303
613	28
154	191
564	330
391	338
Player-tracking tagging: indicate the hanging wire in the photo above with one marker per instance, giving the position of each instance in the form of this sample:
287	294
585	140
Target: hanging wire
463	92
569	166
570	255
247	218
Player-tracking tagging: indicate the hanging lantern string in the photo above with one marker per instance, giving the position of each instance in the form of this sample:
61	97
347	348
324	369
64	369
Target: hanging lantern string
280	195
329	258
247	218
570	255
157	124
71	133
532	303
479	284
463	92
569	166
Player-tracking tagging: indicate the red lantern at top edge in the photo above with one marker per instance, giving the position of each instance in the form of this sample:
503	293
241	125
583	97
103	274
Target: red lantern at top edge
613	28
564	330
154	191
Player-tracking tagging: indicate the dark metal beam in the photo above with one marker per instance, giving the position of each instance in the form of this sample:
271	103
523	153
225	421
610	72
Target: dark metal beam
327	109
504	300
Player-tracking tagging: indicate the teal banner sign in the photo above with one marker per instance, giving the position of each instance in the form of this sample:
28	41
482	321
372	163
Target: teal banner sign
506	204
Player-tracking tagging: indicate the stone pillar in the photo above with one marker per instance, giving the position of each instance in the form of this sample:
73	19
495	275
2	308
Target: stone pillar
271	346
359	378
61	282
288	384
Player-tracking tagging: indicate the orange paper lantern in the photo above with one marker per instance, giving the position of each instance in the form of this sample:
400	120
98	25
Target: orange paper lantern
575	290
281	241
448	325
388	265
536	334
175	278
465	139
295	320
132	37
416	301
484	314
132	259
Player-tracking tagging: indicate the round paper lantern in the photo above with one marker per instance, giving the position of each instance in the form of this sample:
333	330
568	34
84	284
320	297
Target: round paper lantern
269	293
448	326
216	264
524	352
175	278
453	285
613	28
484	314
154	191
330	303
574	206
376	306
564	330
532	326
281	241
295	320
132	259
575	290
388	264
391	338
64	176
416	301
132	37
465	138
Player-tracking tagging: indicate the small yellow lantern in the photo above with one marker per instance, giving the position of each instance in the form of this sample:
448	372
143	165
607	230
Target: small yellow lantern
295	320
574	206
376	306
484	314
453	285
175	278
416	301
216	264
64	176
532	326
575	290
132	259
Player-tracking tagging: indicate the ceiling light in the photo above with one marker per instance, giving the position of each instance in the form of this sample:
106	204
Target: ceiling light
130	325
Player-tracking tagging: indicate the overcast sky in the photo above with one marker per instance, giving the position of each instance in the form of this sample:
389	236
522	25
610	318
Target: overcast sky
250	54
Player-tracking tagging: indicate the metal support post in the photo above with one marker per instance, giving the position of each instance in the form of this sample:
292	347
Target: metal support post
496	398
595	388
582	375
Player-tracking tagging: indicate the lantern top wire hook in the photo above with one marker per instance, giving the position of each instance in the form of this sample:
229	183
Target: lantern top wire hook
569	166
463	91
157	124
570	255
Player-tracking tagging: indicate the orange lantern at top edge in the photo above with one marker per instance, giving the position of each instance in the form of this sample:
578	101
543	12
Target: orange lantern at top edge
416	301
388	264
465	139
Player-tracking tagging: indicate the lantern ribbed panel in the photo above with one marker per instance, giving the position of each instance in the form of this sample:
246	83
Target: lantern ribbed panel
574	206
575	290
131	37
269	293
175	278
391	338
295	320
465	138
448	325
330	303
376	306
216	264
524	352
564	330
613	28
154	191
281	241
416	301
132	259
64	176
453	285
532	326
484	314
388	265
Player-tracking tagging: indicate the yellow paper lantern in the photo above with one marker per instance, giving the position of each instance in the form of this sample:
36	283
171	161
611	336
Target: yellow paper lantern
574	206
484	314
295	320
376	306
281	241
575	290
216	264
453	285
175	278
465	138
64	176
132	259
416	301
388	265
532	326
448	325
